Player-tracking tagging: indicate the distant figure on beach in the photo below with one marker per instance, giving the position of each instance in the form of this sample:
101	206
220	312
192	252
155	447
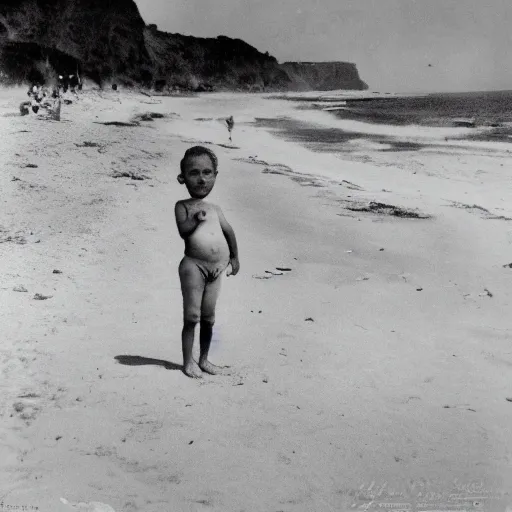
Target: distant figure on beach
210	248
230	123
54	111
61	83
25	108
72	83
34	91
53	105
114	87
36	101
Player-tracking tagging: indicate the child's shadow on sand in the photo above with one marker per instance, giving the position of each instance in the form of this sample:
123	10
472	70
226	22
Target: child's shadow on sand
139	361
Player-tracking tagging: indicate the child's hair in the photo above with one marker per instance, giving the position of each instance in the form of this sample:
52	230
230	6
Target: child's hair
199	151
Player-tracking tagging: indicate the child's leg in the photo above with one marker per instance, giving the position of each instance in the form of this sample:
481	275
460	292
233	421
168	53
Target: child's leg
211	293
192	288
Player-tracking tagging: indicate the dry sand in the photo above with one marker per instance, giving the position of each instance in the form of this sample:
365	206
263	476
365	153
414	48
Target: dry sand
384	355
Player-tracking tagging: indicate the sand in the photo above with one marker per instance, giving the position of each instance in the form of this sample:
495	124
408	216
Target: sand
380	360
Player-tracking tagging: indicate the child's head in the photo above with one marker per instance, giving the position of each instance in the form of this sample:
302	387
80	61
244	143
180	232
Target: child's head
198	171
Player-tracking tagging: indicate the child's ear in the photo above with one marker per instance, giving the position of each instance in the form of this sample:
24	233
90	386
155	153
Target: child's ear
180	179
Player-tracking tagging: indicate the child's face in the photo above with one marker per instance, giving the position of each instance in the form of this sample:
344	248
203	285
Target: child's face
198	176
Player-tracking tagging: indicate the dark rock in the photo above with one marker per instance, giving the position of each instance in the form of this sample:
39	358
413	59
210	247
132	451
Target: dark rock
39	296
88	144
388	209
116	123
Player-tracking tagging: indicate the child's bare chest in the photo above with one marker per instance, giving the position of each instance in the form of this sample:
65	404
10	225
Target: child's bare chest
209	229
207	242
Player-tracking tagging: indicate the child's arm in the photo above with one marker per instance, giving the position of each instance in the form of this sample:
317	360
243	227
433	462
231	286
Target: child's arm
231	240
187	225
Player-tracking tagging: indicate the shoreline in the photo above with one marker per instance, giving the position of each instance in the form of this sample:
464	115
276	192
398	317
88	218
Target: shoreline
476	116
400	374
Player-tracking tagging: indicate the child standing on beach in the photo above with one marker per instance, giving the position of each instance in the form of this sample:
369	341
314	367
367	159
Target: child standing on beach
210	247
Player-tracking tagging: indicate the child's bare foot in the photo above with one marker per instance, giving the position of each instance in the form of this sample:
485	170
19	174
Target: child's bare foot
192	370
212	369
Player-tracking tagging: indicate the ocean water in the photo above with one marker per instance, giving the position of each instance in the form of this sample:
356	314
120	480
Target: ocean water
394	123
482	108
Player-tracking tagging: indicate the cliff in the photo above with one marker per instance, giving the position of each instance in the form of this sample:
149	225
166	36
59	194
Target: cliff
323	76
107	40
211	63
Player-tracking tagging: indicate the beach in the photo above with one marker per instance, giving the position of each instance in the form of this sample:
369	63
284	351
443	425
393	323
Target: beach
379	359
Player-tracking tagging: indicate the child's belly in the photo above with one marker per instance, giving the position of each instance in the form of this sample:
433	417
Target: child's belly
208	243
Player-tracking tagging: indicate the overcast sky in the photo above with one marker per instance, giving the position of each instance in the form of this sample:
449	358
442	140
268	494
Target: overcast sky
466	42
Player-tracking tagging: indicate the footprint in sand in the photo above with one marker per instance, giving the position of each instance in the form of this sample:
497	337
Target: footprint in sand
88	144
353	186
129	174
26	411
91	506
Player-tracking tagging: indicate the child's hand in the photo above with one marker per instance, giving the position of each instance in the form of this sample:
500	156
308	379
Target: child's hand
233	268
201	215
